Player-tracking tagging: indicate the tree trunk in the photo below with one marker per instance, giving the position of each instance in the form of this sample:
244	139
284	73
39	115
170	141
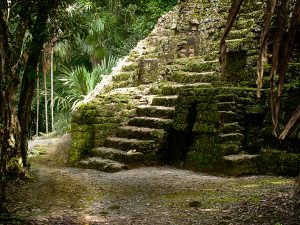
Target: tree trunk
46	102
9	124
52	103
287	49
29	76
295	192
37	100
13	125
234	10
281	22
264	44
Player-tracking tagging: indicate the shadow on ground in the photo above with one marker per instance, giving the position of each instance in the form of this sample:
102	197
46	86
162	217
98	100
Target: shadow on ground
58	194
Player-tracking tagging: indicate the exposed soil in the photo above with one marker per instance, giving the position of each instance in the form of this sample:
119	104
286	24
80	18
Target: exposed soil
58	194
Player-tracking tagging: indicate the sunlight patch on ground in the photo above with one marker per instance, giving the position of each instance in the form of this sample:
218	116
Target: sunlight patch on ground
93	219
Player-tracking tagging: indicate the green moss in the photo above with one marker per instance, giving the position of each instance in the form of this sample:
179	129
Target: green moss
199	161
210	117
204	128
130	67
279	162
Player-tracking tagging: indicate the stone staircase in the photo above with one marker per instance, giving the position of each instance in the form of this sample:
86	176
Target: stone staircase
230	132
138	142
144	137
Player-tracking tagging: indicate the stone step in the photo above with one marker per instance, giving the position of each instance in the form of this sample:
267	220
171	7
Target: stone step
151	122
156	111
213	65
227	116
126	144
185	60
238	33
213	55
194	77
240	164
124	76
242	24
164	100
230	148
232	137
196	64
230	128
105	165
129	157
250	15
241	44
141	133
175	88
226	106
226	98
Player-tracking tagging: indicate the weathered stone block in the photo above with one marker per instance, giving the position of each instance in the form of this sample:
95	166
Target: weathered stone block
208	117
204	128
230	148
227	117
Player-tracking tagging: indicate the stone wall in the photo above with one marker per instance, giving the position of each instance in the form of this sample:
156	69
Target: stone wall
92	122
222	123
211	123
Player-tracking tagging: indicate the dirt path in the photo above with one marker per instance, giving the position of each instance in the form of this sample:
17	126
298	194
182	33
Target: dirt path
58	194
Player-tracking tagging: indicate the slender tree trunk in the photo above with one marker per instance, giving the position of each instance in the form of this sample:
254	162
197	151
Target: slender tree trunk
295	193
46	103
52	103
29	76
281	22
264	44
233	12
287	49
37	100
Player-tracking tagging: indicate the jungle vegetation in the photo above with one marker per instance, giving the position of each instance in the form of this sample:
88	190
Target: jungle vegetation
65	46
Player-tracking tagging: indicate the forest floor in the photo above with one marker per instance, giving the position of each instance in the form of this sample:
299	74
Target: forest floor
58	194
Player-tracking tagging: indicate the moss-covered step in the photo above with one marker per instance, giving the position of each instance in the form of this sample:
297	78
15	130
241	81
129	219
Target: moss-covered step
195	66
104	165
142	133
127	157
230	148
151	122
240	44
230	128
239	164
250	15
212	55
231	137
226	98
169	100
126	144
124	76
194	77
175	88
244	23
227	116
239	33
156	111
226	106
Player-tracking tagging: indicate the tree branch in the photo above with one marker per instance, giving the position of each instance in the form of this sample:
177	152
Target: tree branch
290	124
